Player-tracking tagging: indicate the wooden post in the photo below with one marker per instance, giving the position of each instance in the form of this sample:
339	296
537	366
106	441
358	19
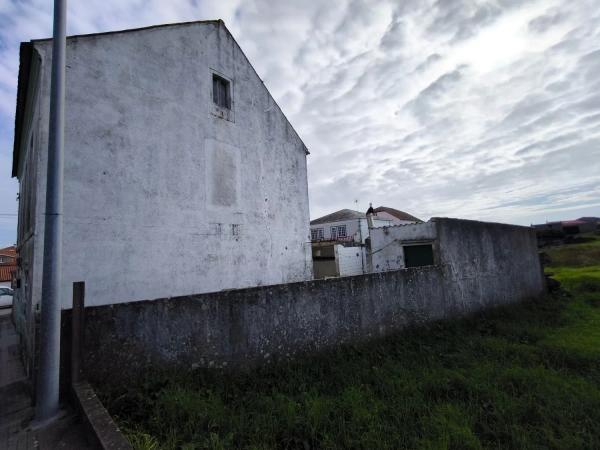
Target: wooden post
77	331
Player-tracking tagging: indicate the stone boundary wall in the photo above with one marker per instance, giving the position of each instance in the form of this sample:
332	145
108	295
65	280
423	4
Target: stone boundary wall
480	265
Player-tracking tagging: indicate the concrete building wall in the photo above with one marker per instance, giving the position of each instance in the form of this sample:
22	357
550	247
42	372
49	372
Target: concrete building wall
349	260
161	196
387	243
30	229
488	262
481	265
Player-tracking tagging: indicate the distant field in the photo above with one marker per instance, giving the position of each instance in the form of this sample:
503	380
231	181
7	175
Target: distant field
576	255
523	377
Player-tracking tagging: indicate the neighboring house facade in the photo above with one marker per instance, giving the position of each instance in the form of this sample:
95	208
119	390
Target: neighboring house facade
182	175
581	225
402	246
551	233
344	225
340	239
8	265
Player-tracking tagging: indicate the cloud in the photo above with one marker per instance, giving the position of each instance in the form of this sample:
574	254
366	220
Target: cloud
469	108
546	21
462	19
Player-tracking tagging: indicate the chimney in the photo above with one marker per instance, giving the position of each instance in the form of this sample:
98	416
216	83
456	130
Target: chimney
370	214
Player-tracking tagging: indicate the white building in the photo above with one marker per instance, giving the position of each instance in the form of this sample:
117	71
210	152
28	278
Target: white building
181	176
339	239
402	246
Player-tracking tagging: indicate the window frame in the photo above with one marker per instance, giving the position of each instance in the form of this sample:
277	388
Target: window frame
335	232
319	234
221	88
429	244
216	109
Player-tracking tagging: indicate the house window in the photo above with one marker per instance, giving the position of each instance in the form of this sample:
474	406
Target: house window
317	234
418	255
338	232
221	92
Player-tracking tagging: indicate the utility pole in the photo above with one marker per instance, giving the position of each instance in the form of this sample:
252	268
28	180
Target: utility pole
47	378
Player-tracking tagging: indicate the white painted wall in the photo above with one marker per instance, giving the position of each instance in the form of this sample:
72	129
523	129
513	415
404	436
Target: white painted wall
161	197
356	228
387	242
350	260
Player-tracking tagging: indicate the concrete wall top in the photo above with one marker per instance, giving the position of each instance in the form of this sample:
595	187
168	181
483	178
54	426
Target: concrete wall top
480	265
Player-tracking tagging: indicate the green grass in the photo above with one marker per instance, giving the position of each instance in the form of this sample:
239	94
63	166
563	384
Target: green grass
522	377
576	255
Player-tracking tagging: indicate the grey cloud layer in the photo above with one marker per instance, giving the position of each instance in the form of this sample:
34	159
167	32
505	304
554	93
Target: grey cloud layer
484	109
423	127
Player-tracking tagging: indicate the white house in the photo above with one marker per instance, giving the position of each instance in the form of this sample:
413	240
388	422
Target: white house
181	176
402	246
339	239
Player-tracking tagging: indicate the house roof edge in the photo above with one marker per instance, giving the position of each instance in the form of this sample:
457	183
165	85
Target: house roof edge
25	52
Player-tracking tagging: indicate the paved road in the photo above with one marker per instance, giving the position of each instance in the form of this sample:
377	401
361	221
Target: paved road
16	410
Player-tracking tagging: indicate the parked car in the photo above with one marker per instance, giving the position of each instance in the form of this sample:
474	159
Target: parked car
6	297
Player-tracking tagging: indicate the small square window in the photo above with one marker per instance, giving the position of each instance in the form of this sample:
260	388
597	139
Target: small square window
221	92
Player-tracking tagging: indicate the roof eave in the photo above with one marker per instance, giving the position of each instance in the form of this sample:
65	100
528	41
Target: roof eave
25	52
23	86
131	30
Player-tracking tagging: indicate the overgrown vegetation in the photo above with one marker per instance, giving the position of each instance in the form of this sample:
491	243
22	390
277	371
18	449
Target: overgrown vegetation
525	376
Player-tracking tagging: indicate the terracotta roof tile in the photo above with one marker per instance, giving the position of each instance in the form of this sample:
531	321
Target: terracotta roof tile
9	251
6	272
401	215
338	216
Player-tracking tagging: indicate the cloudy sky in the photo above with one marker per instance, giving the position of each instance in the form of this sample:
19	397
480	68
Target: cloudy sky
478	109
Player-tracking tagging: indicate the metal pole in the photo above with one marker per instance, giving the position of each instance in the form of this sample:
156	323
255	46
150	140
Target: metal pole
47	386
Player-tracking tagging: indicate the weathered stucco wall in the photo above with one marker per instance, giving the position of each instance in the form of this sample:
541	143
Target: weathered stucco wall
386	243
488	263
162	197
350	260
481	265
